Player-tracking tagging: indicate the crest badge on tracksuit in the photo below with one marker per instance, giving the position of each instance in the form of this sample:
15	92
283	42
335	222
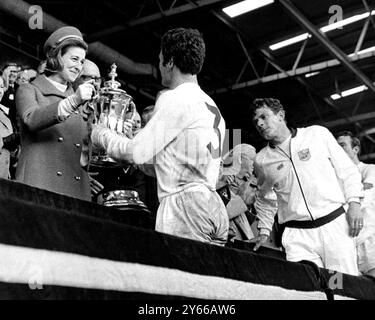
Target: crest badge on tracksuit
304	154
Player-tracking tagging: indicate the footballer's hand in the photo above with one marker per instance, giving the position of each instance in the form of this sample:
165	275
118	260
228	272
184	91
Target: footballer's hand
259	241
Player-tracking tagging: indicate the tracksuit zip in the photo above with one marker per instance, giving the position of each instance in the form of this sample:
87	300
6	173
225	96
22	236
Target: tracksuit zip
295	171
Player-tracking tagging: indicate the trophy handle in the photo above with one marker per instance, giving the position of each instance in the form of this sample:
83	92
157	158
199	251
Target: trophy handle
130	113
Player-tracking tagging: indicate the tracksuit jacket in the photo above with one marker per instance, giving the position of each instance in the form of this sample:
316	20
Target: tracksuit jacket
317	179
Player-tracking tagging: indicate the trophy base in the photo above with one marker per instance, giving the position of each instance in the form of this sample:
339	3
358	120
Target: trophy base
124	200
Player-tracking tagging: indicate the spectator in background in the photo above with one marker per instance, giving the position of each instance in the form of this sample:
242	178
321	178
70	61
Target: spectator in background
10	73
365	241
299	176
237	175
134	126
90	72
137	126
147	114
25	76
4	109
52	128
8	140
22	78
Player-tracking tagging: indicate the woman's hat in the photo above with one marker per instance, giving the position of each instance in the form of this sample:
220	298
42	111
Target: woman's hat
61	35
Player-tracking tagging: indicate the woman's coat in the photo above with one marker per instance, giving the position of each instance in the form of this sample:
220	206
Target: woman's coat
50	149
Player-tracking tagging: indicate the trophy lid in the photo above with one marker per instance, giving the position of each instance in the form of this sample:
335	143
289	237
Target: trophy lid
112	85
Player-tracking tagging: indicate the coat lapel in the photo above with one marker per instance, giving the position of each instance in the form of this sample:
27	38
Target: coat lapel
5	120
48	89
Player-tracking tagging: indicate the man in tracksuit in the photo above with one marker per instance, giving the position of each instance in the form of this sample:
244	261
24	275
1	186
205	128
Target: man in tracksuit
365	242
300	173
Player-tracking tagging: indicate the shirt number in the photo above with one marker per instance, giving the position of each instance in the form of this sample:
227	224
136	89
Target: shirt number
215	153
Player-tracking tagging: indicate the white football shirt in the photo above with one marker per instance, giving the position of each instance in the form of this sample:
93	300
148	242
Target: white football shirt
183	139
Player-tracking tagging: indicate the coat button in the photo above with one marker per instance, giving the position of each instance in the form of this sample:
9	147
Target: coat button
60	139
77	178
77	145
59	173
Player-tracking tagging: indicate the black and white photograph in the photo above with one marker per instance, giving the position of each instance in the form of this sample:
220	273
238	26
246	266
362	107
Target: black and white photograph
187	156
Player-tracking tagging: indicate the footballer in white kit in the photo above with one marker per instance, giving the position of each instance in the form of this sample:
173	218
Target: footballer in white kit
184	141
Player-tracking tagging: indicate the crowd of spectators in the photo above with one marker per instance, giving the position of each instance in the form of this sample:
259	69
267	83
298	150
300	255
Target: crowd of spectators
12	76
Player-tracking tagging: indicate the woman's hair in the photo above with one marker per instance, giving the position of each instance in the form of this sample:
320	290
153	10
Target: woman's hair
53	56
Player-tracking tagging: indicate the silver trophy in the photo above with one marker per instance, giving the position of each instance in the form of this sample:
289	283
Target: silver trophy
113	106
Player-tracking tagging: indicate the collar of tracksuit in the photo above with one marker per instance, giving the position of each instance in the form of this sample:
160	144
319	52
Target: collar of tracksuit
293	132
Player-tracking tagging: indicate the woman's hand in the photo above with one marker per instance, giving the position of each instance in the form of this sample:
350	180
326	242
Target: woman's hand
84	92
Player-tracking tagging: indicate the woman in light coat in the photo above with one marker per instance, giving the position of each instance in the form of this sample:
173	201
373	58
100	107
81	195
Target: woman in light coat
52	128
